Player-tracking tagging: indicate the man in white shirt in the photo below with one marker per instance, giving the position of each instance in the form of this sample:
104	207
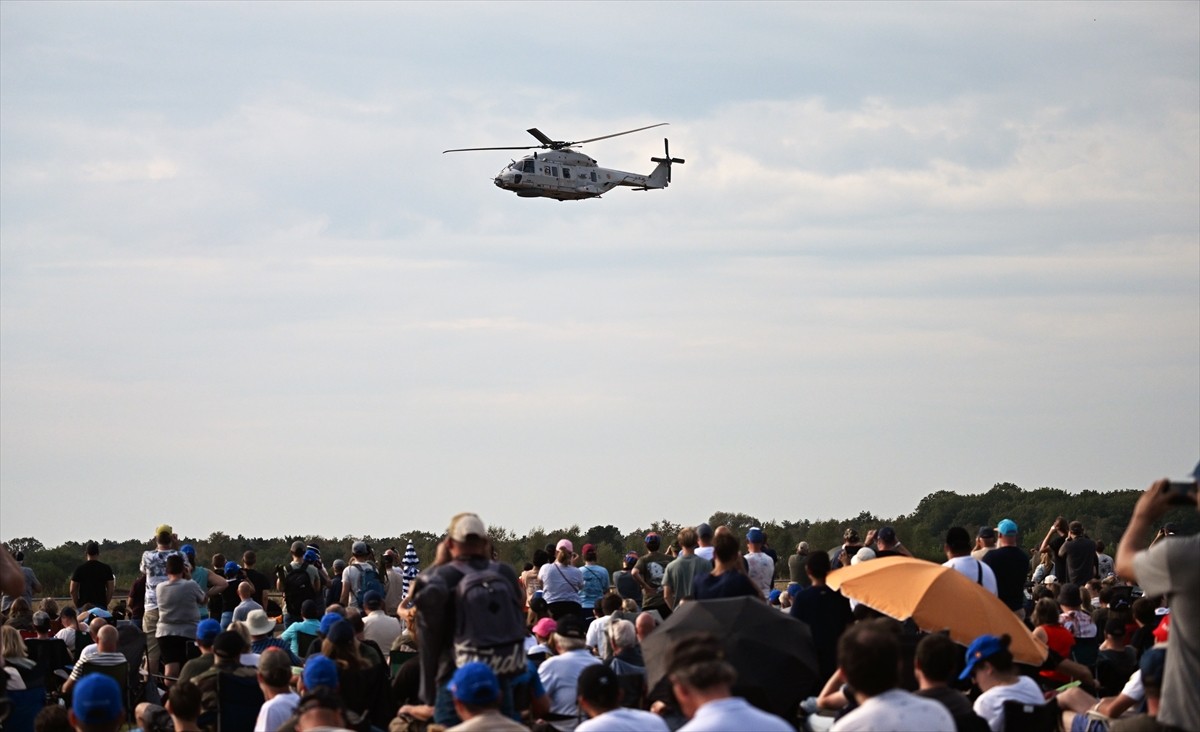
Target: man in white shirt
599	698
869	660
760	565
703	681
378	626
704	537
958	556
106	654
597	638
560	674
274	678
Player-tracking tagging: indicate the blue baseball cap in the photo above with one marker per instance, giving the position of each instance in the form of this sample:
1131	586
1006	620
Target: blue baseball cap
189	550
207	631
1007	527
231	567
327	621
340	632
320	671
774	596
311	556
754	535
97	699
475	683
982	648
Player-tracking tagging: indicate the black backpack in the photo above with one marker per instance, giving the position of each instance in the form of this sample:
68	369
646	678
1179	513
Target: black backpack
488	626
297	587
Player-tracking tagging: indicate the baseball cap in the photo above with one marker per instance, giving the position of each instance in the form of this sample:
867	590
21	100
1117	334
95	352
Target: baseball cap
886	534
360	549
465	525
97	699
1076	527
340	632
1007	527
327	621
228	644
652	536
320	671
475	683
986	532
373	600
189	550
588	548
207	631
571	626
231	567
564	544
774	596
704	531
982	648
631	558
311	556
164	529
545	627
754	535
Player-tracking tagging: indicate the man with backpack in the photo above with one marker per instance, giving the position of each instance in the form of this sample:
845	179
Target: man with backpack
298	581
360	577
467	608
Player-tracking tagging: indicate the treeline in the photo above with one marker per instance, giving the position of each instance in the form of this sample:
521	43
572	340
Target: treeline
1104	516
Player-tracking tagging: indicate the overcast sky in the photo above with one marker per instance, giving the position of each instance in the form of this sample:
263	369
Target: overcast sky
914	247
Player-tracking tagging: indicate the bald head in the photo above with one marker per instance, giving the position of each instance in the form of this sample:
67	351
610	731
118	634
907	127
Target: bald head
107	639
645	624
94	626
245	590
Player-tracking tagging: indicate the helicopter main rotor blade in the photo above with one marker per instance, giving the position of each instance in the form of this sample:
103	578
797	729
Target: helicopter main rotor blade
473	149
618	134
541	136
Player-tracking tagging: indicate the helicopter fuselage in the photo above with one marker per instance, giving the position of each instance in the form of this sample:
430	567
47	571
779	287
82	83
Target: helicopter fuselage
566	175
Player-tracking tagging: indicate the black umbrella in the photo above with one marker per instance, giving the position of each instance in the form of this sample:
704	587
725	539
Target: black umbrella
772	651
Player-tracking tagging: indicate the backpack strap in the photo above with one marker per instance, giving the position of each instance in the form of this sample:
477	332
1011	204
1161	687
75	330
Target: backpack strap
979	569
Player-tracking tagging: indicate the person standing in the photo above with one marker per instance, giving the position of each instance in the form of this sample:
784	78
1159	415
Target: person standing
958	557
93	581
759	565
648	572
796	574
1079	551
179	601
681	573
1169	568
826	612
562	582
595	579
1009	564
1055	538
154	566
704	539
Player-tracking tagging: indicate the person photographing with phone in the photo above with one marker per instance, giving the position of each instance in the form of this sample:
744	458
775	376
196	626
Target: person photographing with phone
1169	568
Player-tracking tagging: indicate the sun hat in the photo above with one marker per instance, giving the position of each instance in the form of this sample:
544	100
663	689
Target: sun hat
466	525
475	683
320	671
982	648
97	699
259	623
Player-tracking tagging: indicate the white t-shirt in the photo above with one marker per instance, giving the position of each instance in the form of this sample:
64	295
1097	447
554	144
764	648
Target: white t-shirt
622	719
897	710
990	704
275	711
597	636
560	583
762	571
705	551
381	628
970	568
734	713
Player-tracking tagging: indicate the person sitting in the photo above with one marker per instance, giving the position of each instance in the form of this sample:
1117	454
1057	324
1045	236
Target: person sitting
96	705
365	687
627	662
702	681
1050	631
228	647
378	626
245	592
106	654
206	633
599	692
869	658
262	630
1116	661
990	666
936	660
560	673
476	693
542	631
309	624
1073	617
597	638
183	704
274	678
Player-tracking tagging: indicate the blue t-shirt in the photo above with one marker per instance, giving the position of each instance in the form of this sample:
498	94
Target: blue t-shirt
728	584
595	584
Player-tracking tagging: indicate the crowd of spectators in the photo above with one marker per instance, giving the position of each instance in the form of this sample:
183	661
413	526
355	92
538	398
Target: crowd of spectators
473	644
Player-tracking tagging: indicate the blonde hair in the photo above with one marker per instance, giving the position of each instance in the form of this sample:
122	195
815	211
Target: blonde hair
11	643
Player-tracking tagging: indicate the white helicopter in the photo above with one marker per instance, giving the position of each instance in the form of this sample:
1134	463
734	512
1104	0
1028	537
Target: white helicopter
566	175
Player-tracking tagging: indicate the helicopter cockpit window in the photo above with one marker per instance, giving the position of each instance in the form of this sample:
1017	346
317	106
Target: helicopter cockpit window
528	167
566	172
593	176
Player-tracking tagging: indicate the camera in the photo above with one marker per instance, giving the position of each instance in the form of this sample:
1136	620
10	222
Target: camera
1181	493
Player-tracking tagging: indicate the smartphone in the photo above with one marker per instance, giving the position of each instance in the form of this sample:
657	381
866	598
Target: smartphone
1181	492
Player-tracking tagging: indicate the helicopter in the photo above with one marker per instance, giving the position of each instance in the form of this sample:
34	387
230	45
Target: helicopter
566	175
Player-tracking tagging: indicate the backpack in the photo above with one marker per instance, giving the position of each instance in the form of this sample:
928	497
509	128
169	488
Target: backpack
368	581
488	626
297	587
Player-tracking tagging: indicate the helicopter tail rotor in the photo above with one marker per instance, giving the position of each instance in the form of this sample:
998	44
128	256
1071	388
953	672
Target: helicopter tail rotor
667	159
